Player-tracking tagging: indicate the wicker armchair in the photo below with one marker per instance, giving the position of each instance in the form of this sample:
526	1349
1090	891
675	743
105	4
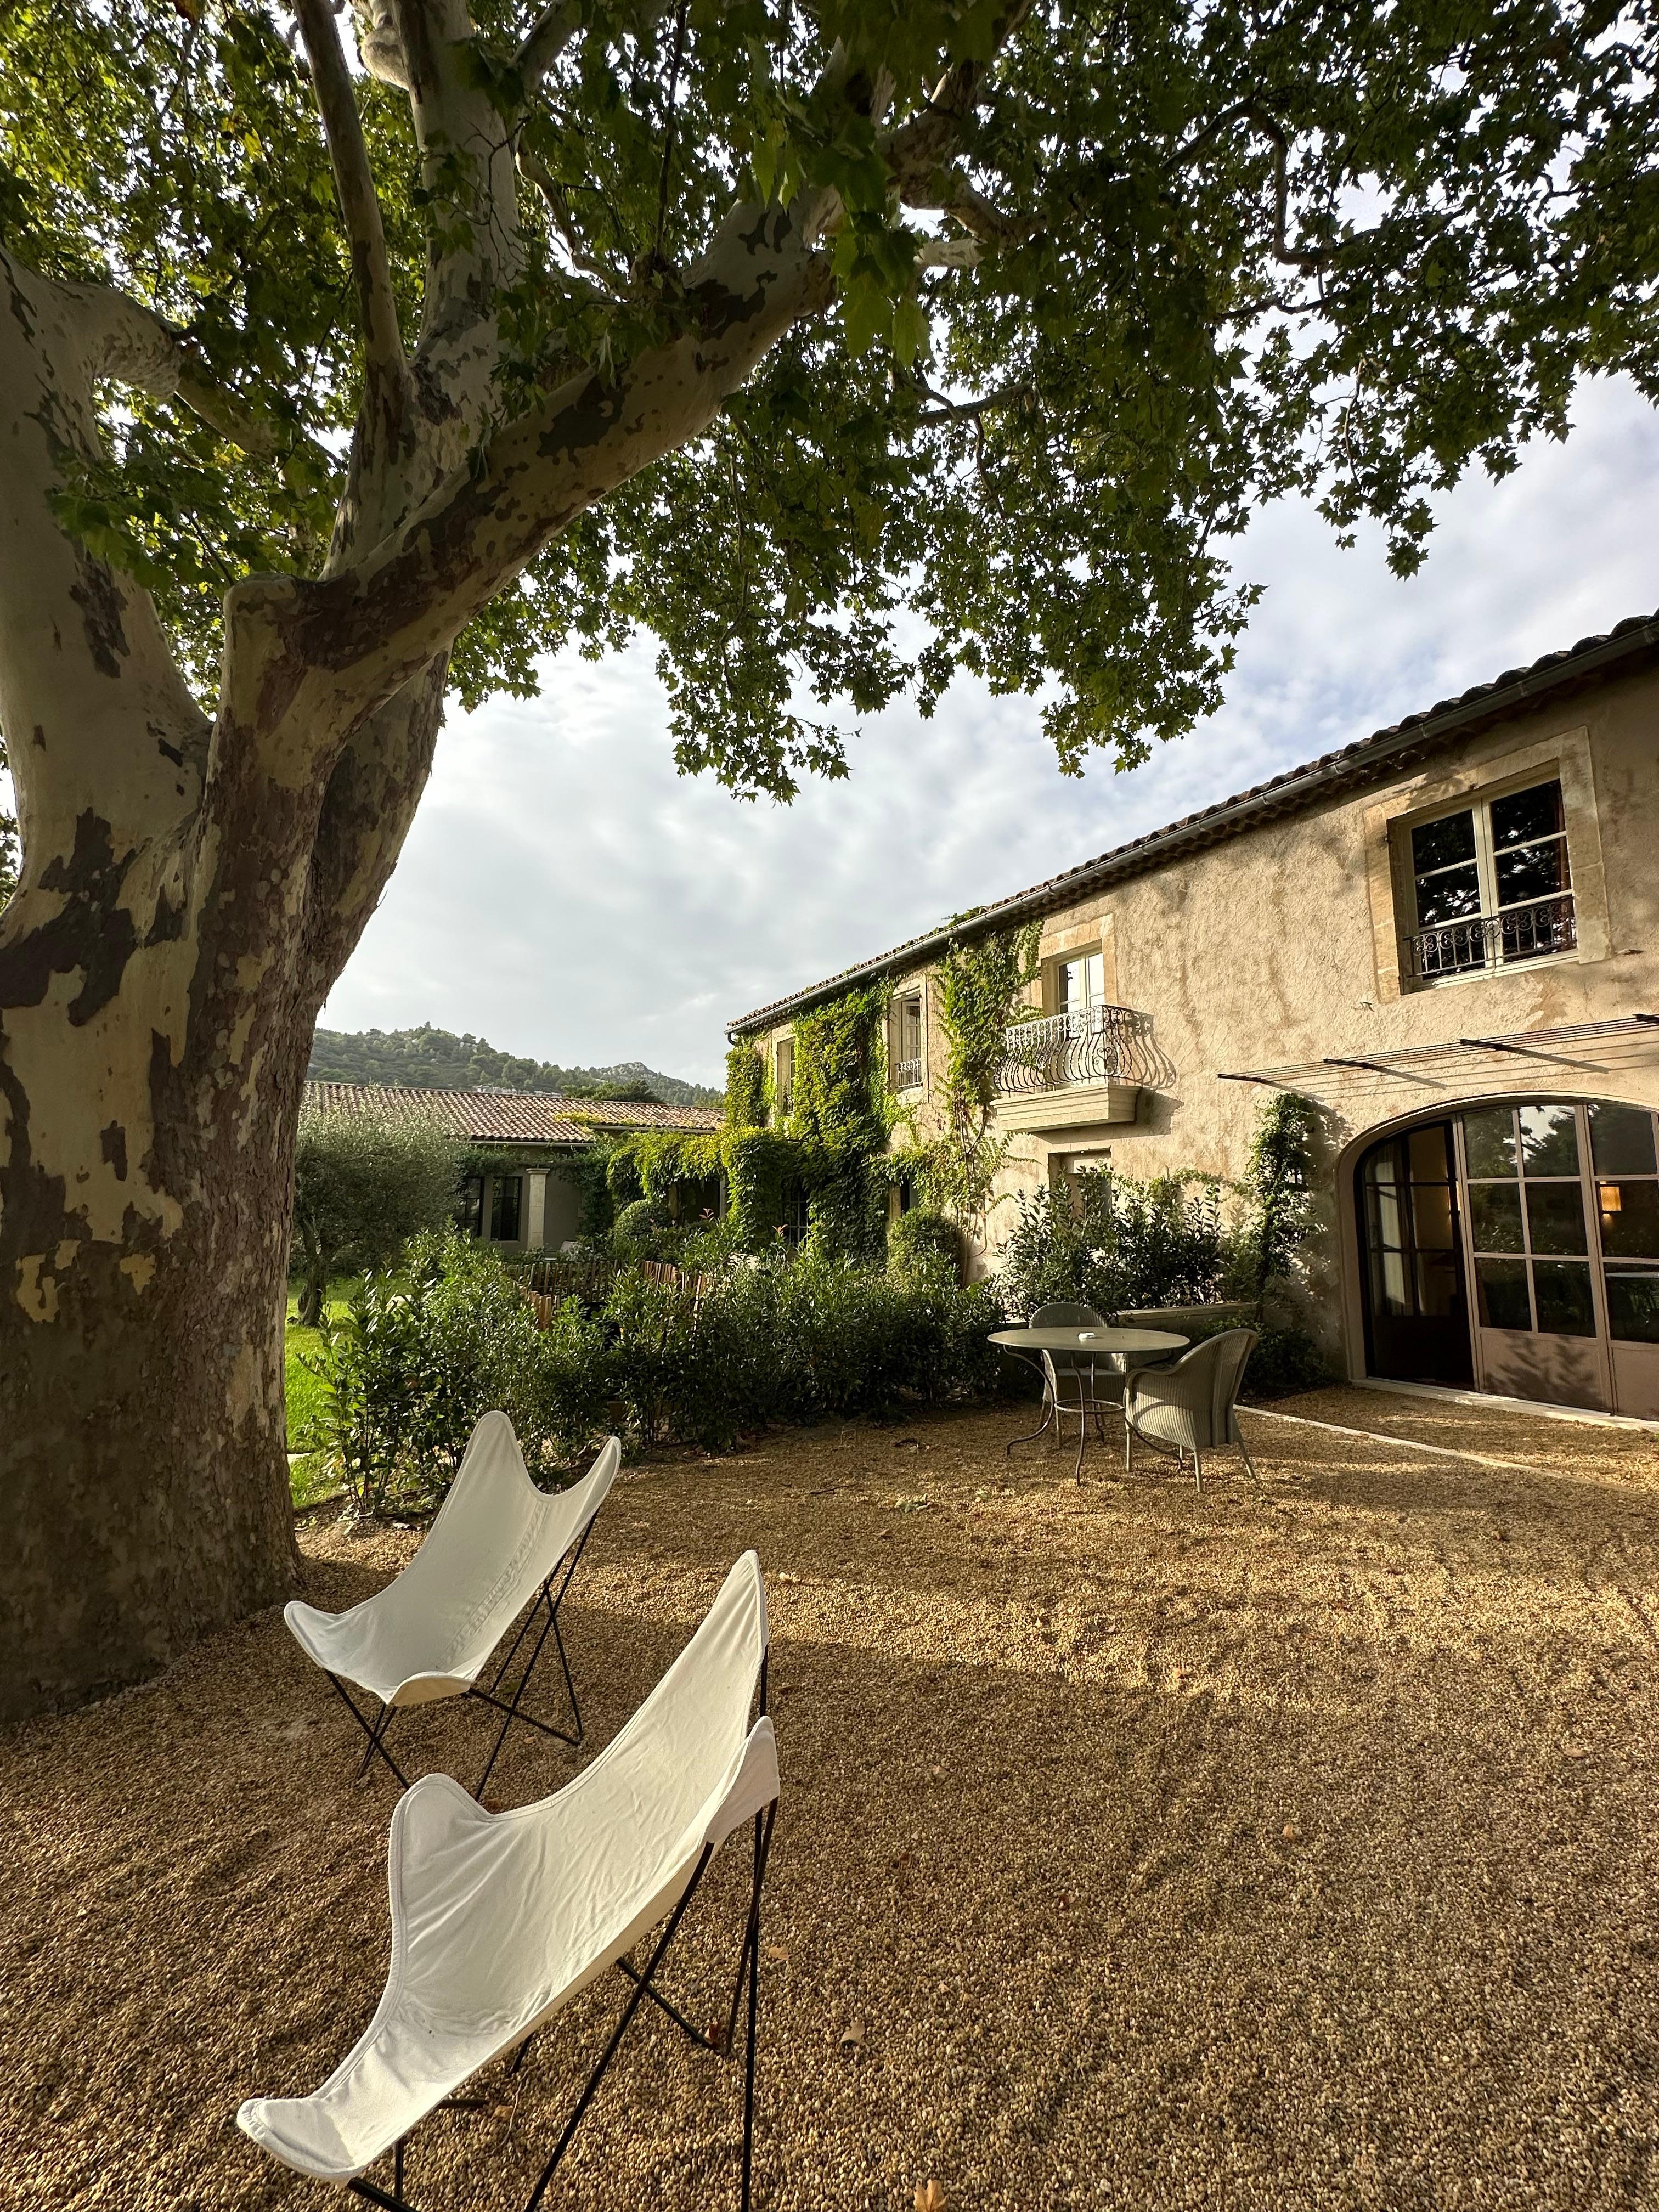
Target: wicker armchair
1188	1407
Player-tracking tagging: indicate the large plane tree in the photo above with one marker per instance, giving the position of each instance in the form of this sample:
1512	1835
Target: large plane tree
351	360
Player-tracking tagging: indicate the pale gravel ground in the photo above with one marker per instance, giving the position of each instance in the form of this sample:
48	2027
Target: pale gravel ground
1041	1746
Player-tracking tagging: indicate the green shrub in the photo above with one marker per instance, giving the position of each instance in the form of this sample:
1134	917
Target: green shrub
362	1187
419	1354
1129	1243
921	1243
637	1224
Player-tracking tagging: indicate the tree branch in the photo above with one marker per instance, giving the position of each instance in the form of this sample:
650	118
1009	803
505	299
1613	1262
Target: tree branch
385	369
946	191
546	39
970	410
340	645
123	340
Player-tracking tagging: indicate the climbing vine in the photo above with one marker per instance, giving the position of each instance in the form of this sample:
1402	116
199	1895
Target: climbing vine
746	1088
979	985
1279	1185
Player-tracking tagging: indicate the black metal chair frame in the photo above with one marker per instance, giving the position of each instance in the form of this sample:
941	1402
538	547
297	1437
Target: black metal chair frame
643	1985
375	1729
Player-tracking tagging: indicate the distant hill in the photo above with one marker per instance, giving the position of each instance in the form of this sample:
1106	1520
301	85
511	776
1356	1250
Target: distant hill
435	1059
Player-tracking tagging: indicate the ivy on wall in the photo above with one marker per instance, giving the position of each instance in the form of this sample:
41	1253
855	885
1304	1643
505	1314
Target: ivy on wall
746	1088
978	988
1279	1185
841	1072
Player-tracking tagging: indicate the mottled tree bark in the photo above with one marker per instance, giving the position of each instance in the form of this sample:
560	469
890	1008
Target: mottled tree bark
192	886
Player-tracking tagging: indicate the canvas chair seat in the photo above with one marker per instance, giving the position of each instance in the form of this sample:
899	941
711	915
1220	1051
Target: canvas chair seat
495	1542
498	1919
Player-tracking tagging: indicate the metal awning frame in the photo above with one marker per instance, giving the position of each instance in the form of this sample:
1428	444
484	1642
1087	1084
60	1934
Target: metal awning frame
1404	1062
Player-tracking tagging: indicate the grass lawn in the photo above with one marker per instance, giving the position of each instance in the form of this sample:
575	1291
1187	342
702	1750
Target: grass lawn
1290	1848
306	1397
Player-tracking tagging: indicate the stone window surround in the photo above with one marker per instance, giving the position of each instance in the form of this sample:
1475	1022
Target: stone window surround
1389	819
1098	932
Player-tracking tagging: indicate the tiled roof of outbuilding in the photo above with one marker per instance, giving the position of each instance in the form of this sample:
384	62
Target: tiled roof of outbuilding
522	1117
1385	751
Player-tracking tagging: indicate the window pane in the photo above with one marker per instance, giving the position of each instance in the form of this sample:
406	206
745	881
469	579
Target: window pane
1503	1285
1388	1283
1385	1230
1490	1138
1380	1167
1634	1304
1523	816
1495	1217
1549	1140
1630	1219
1438	844
1451	898
1534	872
1431	1217
1563	1289
1437	1283
1621	1140
1555	1217
1427	1148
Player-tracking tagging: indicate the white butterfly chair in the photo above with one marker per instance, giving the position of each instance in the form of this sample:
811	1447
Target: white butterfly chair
498	1919
497	1544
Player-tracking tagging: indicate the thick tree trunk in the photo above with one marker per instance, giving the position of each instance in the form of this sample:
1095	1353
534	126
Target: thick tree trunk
144	1195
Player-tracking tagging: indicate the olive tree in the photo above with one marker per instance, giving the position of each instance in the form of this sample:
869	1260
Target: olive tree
349	362
362	1188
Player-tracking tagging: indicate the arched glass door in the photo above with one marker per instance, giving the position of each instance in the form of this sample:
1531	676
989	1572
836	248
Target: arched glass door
1417	1312
1529	1231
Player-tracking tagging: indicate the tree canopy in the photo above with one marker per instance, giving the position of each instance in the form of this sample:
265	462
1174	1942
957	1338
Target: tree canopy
1076	287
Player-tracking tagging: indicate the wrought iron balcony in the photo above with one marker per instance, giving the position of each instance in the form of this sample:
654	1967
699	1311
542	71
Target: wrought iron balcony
1098	1044
1493	940
907	1075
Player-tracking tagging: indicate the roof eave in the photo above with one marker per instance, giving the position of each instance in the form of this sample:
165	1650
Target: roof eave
1357	764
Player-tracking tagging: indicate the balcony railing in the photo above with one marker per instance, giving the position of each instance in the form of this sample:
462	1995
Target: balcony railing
1098	1044
907	1075
1493	940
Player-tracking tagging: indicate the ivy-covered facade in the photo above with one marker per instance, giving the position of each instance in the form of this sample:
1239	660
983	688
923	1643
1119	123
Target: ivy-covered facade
1432	959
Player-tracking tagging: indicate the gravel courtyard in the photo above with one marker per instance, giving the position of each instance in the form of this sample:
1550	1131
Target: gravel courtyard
1290	1847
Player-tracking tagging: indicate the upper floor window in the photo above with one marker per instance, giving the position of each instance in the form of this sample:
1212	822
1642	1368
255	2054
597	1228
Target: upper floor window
783	1074
1079	983
1490	885
904	1045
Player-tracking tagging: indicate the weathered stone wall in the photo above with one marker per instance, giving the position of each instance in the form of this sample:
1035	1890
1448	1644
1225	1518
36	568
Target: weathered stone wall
1282	944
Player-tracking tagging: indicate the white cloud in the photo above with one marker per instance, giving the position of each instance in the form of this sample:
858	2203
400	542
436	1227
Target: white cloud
565	894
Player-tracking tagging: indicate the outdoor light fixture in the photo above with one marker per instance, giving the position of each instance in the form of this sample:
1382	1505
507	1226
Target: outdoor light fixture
1611	1202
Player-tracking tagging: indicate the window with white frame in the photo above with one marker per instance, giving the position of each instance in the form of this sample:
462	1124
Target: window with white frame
1490	885
1080	982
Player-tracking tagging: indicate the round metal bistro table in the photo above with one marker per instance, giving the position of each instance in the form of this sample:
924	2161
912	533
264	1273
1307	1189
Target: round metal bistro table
1090	1352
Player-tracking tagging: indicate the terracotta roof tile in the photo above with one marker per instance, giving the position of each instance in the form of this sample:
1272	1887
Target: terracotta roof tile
529	1117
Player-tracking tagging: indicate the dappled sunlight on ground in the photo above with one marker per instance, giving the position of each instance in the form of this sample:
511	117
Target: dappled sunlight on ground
1288	1846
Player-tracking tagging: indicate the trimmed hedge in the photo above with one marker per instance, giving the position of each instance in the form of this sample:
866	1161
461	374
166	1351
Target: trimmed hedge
421	1353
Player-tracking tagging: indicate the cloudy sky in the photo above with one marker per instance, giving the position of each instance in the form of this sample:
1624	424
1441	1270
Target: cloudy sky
566	895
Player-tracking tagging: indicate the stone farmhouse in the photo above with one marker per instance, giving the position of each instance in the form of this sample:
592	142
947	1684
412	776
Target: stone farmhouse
1448	934
524	1147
